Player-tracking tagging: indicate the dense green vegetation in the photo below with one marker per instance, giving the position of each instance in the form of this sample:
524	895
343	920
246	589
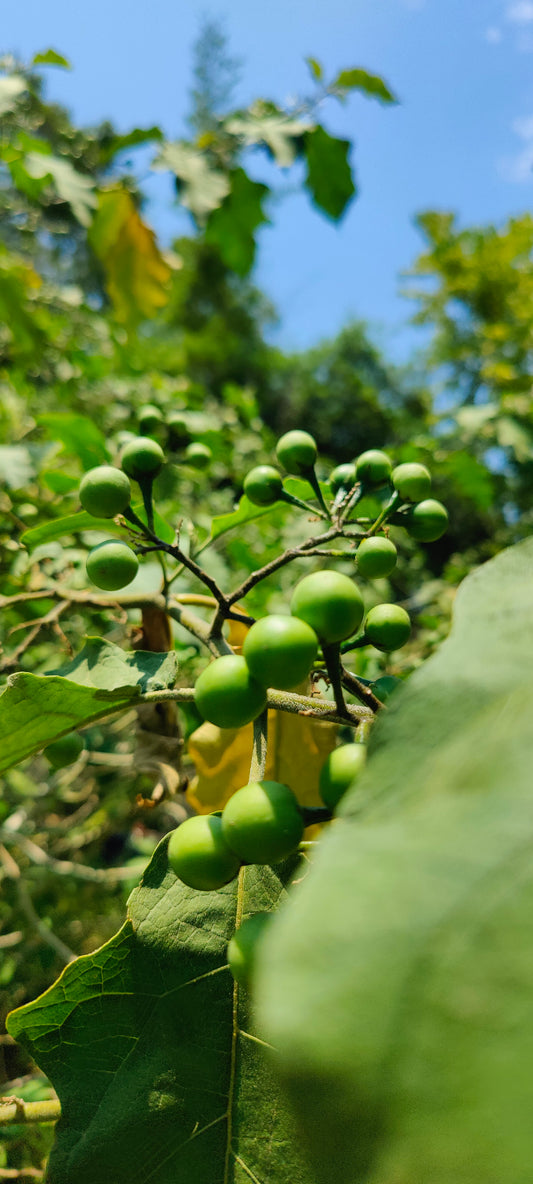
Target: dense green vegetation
159	495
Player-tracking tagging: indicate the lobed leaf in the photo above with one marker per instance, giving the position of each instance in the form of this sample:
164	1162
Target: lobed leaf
231	227
415	923
136	273
329	176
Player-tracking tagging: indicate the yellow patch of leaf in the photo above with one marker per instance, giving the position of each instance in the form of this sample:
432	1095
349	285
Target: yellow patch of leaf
136	273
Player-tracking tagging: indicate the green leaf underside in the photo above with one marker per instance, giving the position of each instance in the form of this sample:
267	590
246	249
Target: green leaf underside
36	709
246	511
82	521
329	176
370	84
201	188
162	1075
416	922
274	129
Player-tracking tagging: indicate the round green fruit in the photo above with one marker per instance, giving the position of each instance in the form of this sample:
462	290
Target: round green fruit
330	603
343	477
105	491
262	822
178	432
150	419
227	695
297	452
388	627
242	948
64	751
142	457
427	521
342	767
412	482
280	651
376	558
199	855
112	565
198	455
263	485
373	467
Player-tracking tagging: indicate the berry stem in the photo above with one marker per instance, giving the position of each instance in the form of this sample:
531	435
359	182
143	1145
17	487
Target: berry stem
146	485
312	478
313	814
393	502
296	501
331	654
259	751
361	692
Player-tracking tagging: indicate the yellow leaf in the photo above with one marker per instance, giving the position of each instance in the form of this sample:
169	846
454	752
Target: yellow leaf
297	749
136	274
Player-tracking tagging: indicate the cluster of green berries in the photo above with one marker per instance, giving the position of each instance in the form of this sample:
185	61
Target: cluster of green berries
424	518
279	652
153	423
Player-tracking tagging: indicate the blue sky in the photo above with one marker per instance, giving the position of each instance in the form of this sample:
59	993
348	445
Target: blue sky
461	138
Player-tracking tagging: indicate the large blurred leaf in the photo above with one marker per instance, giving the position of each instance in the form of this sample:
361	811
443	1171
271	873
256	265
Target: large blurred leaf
329	176
16	466
136	274
50	57
369	84
201	187
415	924
11	87
166	1079
137	136
57	528
79	436
35	709
233	225
70	185
265	124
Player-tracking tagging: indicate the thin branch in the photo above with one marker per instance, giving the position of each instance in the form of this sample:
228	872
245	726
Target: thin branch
364	694
16	1110
62	867
299	552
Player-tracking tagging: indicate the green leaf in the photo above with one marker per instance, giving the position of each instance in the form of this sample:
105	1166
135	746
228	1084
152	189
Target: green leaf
315	69
264	124
245	512
415	923
471	478
71	186
59	482
16	466
329	176
72	524
79	436
514	435
232	226
36	709
137	275
138	135
201	188
11	88
370	84
50	57
155	1054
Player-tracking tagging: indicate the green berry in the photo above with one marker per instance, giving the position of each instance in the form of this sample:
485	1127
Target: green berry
412	482
227	695
263	485
387	626
243	947
64	751
330	603
280	651
198	455
427	521
150	419
199	855
373	467
105	491
142	457
178	432
376	557
342	767
297	452
112	565
262	822
343	477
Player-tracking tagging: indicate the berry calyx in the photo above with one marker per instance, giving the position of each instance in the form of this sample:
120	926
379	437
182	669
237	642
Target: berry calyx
388	627
112	565
242	949
142	457
105	491
412	482
376	558
280	651
330	603
198	455
262	822
426	521
64	751
226	693
263	485
343	477
340	770
199	855
373	467
297	452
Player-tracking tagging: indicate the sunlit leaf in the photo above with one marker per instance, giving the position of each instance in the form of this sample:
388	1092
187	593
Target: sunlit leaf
79	435
329	176
11	87
274	129
369	84
70	185
201	187
315	68
136	273
50	57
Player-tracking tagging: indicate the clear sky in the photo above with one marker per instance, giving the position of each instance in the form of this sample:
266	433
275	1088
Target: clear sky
461	138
